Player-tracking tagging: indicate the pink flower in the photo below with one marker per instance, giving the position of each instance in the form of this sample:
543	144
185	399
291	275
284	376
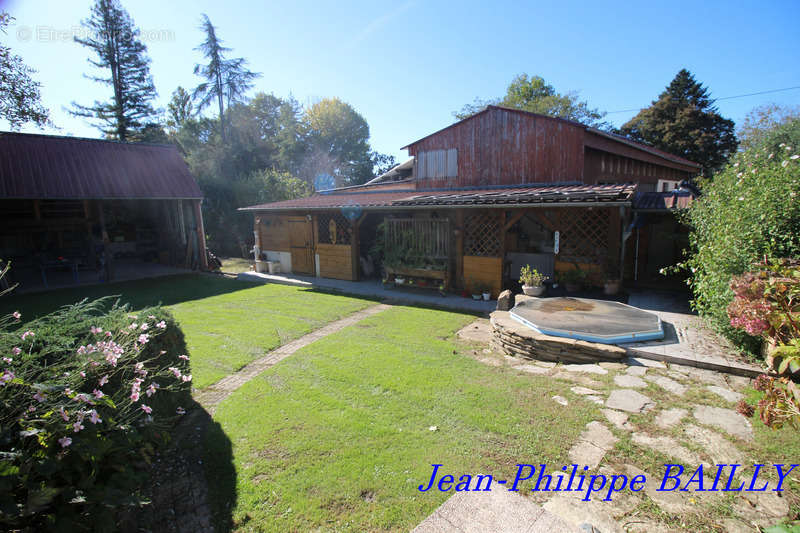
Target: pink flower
7	376
98	393
175	372
108	333
143	338
180	411
144	327
184	357
151	389
94	418
68	392
82	373
64	414
186	378
16	350
81	350
135	396
65	441
102	381
133	325
16	315
77	426
146	409
7	360
27	334
161	325
39	397
95	330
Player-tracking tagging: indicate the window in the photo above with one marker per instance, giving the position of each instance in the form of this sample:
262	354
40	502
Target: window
438	164
667	185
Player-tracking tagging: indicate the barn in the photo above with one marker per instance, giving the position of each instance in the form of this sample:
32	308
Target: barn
483	197
76	210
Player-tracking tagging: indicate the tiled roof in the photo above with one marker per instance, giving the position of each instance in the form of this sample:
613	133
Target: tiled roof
531	194
50	167
662	201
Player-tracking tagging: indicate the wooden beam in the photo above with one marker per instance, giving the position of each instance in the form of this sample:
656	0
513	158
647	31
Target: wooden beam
201	235
514	219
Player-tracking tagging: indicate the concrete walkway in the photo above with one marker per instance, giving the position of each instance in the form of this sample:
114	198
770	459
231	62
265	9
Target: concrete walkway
374	289
212	396
686	341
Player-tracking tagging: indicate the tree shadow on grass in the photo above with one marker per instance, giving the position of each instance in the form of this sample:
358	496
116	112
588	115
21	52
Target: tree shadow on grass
165	290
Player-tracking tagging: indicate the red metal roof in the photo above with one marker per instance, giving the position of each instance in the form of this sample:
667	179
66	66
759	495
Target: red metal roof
36	166
508	196
662	201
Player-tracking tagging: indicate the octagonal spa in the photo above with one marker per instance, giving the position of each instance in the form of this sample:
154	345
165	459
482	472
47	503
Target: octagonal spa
571	330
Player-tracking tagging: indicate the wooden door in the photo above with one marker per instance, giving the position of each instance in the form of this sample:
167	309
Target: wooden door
300	244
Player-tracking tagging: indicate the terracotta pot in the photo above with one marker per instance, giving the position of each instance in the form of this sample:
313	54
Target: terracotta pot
611	287
533	290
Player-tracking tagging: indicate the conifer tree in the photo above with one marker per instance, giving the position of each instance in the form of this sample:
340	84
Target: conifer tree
684	121
114	39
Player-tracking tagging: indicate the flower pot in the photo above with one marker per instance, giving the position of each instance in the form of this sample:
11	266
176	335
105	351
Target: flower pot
572	287
611	287
533	290
399	281
476	296
486	296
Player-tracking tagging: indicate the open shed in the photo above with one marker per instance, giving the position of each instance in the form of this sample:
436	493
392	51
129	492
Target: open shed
80	210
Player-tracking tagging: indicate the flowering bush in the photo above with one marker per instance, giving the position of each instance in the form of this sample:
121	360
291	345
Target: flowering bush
767	304
86	394
748	211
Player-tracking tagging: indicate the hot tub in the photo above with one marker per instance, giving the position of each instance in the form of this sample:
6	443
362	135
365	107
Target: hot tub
600	321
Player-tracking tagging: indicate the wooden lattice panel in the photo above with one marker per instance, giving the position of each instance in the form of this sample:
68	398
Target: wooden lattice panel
584	237
482	235
334	228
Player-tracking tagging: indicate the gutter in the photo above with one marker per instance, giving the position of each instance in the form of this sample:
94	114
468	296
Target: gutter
616	203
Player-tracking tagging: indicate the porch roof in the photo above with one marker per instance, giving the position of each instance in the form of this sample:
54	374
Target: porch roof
514	196
662	201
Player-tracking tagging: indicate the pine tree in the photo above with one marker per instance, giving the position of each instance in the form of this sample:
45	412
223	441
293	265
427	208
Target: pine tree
227	80
684	121
115	41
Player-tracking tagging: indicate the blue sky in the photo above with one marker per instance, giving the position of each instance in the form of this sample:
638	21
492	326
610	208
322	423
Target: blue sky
406	66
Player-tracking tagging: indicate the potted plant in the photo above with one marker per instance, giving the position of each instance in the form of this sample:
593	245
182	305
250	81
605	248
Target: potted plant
573	279
486	293
399	280
531	281
477	289
442	289
613	280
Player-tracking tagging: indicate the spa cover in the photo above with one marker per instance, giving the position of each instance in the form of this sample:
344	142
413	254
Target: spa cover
589	320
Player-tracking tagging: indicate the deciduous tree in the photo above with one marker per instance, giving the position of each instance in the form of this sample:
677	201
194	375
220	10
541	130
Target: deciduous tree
537	96
20	100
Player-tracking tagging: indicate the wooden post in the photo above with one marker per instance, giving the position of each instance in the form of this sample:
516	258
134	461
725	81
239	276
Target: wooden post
201	235
459	249
106	242
614	242
355	259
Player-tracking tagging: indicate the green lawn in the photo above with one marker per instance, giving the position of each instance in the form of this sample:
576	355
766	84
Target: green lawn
337	436
227	323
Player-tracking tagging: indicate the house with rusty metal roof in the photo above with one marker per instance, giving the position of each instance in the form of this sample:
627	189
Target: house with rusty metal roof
78	210
485	196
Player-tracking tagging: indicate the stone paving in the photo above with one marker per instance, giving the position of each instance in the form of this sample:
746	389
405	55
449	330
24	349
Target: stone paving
643	405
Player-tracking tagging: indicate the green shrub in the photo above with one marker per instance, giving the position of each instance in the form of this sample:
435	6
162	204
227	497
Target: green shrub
86	394
750	211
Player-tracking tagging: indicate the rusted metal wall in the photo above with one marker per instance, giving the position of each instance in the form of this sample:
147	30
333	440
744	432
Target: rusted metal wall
504	147
604	167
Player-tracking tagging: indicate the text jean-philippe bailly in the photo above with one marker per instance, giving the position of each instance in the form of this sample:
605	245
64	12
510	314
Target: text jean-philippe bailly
574	478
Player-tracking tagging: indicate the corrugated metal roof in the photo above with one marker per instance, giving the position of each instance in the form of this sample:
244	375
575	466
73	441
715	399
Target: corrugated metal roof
662	201
46	166
510	196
